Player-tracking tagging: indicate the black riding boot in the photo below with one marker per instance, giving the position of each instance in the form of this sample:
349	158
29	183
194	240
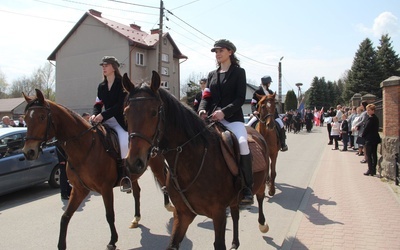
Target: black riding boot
247	175
282	138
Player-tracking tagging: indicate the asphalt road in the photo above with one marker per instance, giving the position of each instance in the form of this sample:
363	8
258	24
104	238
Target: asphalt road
29	219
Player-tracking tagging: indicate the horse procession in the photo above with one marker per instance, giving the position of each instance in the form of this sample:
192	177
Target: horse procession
195	162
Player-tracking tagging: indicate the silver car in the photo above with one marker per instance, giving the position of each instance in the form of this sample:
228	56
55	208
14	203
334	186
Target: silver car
16	172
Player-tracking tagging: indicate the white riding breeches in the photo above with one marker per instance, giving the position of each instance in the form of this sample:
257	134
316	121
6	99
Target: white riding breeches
240	132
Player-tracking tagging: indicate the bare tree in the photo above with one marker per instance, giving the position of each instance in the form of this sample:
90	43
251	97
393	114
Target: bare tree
42	78
3	85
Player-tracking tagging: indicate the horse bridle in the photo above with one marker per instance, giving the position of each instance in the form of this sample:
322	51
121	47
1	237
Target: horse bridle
154	141
264	118
48	124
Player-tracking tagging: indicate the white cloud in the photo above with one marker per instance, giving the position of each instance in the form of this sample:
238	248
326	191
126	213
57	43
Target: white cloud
385	23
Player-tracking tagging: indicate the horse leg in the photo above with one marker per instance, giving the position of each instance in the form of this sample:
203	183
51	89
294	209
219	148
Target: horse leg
272	177
261	218
136	197
108	199
219	220
75	199
235	222
179	228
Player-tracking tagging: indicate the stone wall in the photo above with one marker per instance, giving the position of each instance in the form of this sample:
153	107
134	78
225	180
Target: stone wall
391	126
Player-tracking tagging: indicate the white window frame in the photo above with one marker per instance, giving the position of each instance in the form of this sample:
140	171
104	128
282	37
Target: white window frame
140	59
164	84
165	71
165	57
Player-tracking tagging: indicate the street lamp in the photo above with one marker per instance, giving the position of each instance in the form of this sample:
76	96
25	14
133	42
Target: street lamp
299	93
280	81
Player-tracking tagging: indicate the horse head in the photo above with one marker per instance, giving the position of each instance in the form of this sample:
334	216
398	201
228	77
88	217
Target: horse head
266	110
142	111
38	122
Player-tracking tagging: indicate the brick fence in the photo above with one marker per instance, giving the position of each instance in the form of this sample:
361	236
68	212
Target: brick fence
391	126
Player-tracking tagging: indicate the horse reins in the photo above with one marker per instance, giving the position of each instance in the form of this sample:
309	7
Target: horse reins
154	149
45	138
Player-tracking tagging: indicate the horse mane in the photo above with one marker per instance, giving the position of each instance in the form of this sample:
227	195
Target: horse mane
178	115
35	102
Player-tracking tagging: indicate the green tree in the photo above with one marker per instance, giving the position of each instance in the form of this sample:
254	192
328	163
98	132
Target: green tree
388	60
290	101
364	76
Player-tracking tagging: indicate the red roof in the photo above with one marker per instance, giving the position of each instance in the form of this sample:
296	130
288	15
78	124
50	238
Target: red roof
133	33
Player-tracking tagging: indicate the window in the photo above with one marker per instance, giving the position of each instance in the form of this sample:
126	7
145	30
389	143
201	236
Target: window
164	84
139	59
165	41
165	71
165	57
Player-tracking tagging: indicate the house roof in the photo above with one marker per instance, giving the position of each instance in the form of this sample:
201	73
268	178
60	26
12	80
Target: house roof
132	33
8	105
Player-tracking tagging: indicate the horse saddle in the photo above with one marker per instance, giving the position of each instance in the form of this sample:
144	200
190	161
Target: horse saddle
109	138
230	149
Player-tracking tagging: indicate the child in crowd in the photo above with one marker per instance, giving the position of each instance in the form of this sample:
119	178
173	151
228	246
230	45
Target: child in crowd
335	131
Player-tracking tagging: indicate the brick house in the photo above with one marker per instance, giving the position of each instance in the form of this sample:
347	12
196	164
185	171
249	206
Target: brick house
78	56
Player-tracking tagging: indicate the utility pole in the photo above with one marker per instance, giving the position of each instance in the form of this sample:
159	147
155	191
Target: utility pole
160	34
280	81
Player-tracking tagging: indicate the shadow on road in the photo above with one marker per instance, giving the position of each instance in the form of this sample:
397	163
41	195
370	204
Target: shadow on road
27	195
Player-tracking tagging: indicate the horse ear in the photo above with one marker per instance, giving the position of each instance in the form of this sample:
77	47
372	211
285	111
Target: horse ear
127	84
27	98
39	96
155	81
259	96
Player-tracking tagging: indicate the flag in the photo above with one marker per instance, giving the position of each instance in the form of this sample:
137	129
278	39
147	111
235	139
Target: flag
300	108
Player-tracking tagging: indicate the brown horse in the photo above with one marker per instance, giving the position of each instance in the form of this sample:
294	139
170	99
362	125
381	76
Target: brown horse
199	181
89	166
267	128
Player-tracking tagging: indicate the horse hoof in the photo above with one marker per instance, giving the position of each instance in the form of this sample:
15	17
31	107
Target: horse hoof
271	192
263	228
169	207
111	247
135	222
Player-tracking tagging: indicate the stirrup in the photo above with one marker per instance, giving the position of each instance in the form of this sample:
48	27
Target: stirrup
125	189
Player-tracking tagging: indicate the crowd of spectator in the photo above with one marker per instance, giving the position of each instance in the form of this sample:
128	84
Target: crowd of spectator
358	130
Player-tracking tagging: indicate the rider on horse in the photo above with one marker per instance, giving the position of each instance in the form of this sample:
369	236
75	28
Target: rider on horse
264	90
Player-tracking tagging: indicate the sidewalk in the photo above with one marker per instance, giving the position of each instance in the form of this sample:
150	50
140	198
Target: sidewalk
343	209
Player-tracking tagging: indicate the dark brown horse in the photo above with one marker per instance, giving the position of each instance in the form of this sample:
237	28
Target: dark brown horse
89	166
266	127
199	181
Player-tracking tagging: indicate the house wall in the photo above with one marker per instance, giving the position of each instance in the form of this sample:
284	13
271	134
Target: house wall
78	72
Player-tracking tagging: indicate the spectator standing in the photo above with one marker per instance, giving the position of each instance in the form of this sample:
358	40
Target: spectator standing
197	99
335	132
65	188
372	139
7	122
360	126
344	131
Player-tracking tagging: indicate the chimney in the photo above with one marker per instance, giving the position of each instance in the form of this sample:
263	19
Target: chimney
135	26
154	31
95	12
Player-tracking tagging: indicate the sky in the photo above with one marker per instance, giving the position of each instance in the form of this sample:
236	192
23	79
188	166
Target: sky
313	38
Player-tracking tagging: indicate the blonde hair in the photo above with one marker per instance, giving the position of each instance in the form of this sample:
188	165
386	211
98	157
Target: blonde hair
371	107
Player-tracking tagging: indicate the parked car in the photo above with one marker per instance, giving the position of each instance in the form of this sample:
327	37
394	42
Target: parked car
16	172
